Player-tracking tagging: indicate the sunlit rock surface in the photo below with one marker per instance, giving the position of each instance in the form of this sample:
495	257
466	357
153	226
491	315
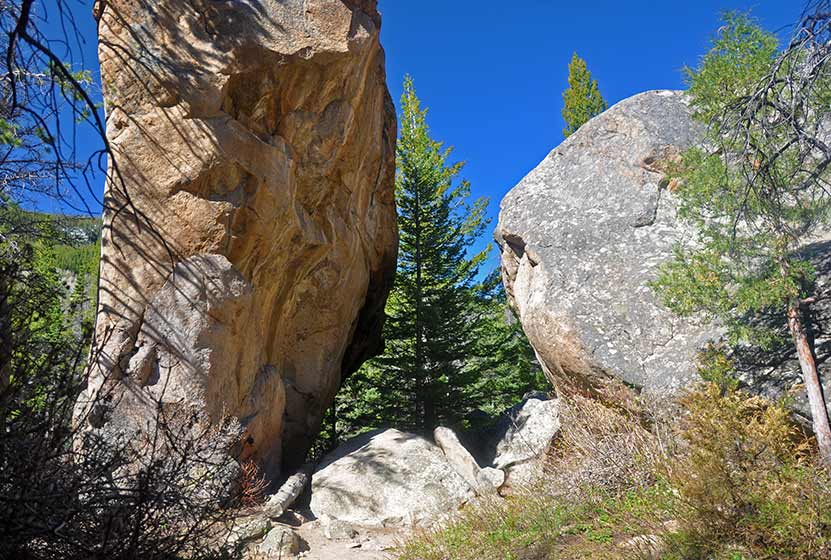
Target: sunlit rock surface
249	231
583	234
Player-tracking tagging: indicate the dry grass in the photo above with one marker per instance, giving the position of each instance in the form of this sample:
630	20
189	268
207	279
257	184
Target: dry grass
602	448
730	478
252	485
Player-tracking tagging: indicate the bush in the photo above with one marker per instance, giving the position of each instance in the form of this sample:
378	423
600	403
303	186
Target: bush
731	478
747	481
71	494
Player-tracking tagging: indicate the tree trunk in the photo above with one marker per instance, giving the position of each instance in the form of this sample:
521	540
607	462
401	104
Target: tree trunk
6	345
418	370
429	421
816	401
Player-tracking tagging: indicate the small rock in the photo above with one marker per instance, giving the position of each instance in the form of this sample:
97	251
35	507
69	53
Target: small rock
520	441
489	480
280	542
248	529
373	545
292	518
336	529
530	428
459	458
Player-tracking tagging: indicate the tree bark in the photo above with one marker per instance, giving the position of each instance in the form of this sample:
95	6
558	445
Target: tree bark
810	376
9	274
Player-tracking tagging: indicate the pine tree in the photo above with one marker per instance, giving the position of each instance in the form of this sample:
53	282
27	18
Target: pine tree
756	194
504	359
582	99
452	346
428	333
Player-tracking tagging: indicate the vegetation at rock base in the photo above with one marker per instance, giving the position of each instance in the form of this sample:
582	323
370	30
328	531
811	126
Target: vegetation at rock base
758	193
582	99
735	479
452	345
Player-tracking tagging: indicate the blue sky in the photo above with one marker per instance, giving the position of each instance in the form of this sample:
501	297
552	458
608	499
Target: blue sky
492	72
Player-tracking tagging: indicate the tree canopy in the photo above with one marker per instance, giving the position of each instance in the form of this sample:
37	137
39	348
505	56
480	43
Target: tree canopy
756	193
582	99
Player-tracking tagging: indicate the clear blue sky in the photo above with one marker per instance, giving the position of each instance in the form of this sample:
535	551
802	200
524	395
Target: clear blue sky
492	72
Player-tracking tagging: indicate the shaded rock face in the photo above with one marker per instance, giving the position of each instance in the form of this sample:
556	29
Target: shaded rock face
249	231
582	235
388	478
775	371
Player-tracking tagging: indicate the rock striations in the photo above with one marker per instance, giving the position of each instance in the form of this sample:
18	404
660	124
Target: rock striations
249	230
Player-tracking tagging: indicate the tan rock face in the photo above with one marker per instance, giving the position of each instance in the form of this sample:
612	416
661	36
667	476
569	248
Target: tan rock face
249	231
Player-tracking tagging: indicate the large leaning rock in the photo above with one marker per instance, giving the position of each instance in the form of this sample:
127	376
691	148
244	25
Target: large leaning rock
582	236
249	229
387	478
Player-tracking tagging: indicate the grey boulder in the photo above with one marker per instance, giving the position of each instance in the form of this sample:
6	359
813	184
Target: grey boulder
280	542
387	478
522	438
582	235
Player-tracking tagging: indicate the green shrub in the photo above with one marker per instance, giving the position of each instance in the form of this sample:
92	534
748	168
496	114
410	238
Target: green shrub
747	481
737	480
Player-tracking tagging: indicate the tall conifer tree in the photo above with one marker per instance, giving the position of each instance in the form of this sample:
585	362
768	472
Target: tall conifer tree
428	332
452	346
582	99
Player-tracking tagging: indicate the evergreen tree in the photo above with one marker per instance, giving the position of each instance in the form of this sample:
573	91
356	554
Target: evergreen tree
582	99
451	345
756	194
506	363
428	330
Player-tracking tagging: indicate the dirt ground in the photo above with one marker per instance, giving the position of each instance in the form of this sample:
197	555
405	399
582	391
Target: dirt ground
327	541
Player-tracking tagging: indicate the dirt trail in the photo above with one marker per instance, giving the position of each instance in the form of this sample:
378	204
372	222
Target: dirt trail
364	544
